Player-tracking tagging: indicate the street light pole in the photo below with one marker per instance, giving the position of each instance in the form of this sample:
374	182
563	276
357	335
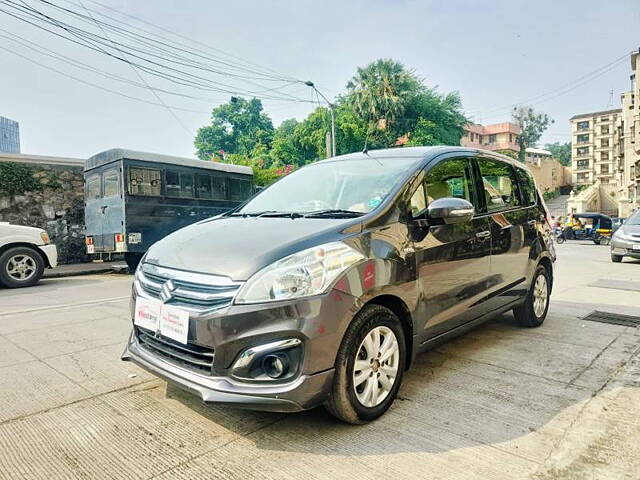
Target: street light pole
309	83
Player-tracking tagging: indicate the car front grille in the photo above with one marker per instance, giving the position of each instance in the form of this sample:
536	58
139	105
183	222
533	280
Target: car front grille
195	292
193	357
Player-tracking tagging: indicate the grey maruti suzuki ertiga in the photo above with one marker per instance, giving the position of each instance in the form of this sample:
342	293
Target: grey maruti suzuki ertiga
322	288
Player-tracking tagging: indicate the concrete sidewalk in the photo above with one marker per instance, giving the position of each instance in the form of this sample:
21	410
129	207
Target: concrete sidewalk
74	269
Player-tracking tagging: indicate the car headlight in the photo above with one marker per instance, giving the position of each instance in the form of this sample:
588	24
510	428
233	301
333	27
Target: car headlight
620	235
305	273
45	237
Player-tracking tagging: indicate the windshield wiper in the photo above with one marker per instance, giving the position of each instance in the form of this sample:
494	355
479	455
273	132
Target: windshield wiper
267	213
334	212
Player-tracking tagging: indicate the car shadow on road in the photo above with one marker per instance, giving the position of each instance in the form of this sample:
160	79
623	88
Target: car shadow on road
496	384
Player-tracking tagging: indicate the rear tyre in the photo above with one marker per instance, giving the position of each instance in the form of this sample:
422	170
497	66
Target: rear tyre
616	258
132	259
536	305
21	267
369	366
560	239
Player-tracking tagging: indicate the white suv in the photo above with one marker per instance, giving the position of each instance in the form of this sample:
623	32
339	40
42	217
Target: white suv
24	254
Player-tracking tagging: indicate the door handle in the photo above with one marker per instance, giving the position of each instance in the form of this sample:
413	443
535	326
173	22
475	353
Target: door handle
484	234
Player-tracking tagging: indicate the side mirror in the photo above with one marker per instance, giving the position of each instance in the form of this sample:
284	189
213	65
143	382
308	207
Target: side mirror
450	210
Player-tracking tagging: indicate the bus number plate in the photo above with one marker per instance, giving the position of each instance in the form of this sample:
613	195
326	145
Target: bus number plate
135	237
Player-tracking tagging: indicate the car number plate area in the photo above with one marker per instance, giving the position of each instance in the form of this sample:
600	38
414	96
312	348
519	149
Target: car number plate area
636	246
170	321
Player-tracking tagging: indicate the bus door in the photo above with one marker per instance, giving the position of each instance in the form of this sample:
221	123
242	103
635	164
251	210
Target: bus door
104	211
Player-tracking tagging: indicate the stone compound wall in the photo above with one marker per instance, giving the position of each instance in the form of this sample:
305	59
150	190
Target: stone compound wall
53	199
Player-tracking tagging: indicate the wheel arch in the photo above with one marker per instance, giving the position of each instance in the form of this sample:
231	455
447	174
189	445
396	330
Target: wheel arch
400	309
548	265
32	246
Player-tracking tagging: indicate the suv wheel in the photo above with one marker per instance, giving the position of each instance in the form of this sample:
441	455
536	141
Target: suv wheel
616	258
20	267
369	366
536	305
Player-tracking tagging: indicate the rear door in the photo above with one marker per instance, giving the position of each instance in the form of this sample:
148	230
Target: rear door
452	260
513	230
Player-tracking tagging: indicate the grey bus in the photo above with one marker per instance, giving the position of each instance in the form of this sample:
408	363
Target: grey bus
133	199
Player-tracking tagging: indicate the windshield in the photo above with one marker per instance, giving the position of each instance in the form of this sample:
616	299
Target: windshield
346	185
634	219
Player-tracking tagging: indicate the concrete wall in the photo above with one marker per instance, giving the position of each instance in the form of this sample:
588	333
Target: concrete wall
57	204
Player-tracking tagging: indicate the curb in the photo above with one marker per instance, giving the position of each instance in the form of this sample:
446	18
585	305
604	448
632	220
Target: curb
76	273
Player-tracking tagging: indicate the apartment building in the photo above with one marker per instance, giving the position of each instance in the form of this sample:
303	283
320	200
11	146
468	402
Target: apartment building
499	136
9	135
593	136
549	173
627	148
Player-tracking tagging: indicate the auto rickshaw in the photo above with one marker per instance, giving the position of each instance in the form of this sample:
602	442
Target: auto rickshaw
590	226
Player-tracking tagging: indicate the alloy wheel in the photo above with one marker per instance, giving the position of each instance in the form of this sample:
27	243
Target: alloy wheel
540	296
21	267
376	366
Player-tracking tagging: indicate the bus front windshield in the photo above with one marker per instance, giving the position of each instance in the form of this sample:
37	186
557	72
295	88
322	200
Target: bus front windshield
357	186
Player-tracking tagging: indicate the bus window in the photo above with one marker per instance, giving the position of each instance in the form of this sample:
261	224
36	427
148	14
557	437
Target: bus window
111	183
239	189
203	186
93	187
144	181
172	183
186	185
219	188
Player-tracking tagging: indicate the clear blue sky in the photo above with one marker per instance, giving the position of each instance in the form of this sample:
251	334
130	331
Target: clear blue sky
494	53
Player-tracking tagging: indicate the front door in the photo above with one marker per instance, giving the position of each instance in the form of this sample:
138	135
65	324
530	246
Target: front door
452	260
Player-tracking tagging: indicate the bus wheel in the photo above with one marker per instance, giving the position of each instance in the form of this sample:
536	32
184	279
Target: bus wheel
132	259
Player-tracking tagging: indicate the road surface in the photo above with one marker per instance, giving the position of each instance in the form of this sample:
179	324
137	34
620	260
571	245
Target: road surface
502	402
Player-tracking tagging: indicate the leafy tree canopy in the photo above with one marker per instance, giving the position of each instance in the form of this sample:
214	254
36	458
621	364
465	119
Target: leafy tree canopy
561	151
532	126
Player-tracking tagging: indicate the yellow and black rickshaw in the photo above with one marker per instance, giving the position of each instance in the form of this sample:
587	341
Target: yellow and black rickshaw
590	226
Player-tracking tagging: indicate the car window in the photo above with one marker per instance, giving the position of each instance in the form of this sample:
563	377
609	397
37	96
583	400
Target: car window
450	178
111	181
93	187
527	186
499	183
144	181
418	202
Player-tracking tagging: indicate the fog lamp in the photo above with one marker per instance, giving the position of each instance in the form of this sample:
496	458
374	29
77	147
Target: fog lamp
275	365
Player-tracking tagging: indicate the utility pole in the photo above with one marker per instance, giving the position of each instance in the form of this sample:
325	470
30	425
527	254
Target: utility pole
309	83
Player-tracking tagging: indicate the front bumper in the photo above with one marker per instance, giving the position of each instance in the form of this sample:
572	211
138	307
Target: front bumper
625	248
302	393
51	252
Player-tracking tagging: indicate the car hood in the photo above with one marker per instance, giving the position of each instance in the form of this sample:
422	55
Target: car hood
238	247
9	230
630	229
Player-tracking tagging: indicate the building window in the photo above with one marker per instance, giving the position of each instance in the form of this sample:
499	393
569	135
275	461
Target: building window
604	129
583	125
583	151
583	138
583	177
583	163
604	142
604	156
479	138
604	119
604	169
492	139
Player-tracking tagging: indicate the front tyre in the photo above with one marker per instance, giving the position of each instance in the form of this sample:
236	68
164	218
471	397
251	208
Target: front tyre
616	258
536	305
21	267
369	366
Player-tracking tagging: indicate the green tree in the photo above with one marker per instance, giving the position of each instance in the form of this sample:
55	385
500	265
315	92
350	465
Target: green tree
532	126
434	119
239	126
561	151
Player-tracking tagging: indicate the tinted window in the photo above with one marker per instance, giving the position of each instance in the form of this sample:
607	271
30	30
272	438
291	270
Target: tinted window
93	187
111	180
172	180
500	185
450	178
219	188
203	186
239	189
418	202
144	181
527	186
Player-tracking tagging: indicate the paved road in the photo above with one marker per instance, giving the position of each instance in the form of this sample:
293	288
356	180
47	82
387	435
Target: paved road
559	402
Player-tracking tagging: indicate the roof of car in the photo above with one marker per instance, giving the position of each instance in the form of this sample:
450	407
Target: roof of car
114	154
424	153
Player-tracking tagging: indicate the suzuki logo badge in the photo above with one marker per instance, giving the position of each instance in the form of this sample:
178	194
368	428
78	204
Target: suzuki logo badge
166	292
